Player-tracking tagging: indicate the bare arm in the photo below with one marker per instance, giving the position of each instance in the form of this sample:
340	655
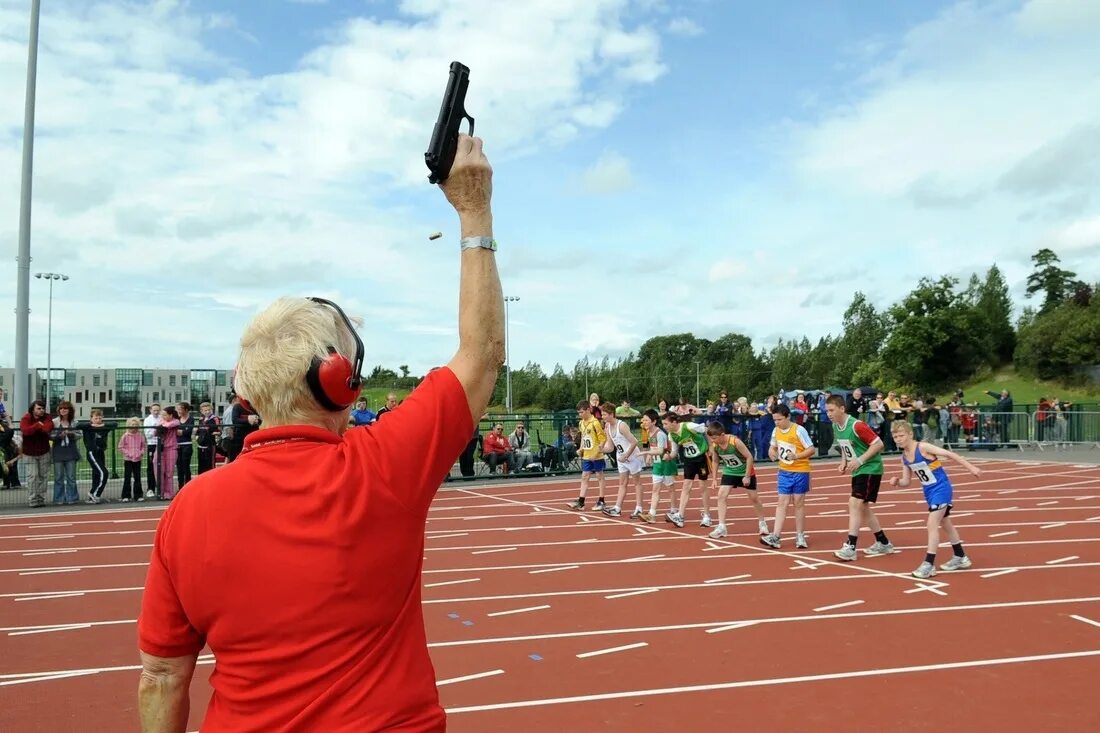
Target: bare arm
164	700
480	301
935	450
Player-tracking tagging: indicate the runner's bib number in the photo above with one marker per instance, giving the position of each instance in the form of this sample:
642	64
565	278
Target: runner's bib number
847	450
690	450
786	452
923	473
732	460
586	442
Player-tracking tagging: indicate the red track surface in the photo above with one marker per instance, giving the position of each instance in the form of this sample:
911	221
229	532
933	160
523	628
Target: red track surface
968	652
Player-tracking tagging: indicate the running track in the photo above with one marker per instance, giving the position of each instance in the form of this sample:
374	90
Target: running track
542	619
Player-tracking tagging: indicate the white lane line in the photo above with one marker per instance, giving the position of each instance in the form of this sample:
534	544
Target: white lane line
47	552
467	678
1082	619
612	650
489	552
451	582
51	571
642	559
1008	491
1047	503
1004	534
928	587
516	610
1053	526
837	605
44	526
1063	559
44	537
772	682
731	627
732	577
50	596
835	511
553	570
913	521
643	591
447	536
69	627
1006	571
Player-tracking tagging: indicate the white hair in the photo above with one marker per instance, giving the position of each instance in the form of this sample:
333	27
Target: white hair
276	350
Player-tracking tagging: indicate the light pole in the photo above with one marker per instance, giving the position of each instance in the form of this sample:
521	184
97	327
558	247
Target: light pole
51	276
507	351
23	258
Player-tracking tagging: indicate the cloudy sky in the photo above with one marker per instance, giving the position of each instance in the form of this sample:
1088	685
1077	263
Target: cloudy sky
663	165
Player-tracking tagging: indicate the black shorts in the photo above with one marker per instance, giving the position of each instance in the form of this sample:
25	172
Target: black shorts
740	481
696	470
865	487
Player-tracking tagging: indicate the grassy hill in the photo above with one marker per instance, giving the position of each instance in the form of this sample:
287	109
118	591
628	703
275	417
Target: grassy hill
1024	391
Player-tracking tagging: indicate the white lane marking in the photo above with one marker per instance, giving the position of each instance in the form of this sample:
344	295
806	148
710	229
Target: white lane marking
837	605
467	678
451	582
612	650
517	610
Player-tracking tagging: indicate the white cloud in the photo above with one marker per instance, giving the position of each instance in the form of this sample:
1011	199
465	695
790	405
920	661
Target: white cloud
685	27
1081	235
161	162
610	174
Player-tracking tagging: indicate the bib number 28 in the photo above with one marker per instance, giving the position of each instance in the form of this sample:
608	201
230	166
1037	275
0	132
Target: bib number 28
691	450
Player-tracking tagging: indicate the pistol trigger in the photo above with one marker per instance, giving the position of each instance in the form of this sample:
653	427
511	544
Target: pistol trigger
471	119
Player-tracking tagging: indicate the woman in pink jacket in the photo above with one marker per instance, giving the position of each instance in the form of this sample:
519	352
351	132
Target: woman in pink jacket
169	422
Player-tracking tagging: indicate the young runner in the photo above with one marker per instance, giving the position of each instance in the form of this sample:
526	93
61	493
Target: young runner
628	458
792	447
591	452
659	455
860	453
922	460
736	461
689	440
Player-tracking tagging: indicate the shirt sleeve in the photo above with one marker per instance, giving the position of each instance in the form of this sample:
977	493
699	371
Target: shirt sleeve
865	433
414	448
696	427
163	627
803	436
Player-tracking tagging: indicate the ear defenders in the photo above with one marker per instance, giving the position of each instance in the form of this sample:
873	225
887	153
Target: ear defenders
334	380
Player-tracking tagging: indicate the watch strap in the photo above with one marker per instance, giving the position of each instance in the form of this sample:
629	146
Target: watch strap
479	243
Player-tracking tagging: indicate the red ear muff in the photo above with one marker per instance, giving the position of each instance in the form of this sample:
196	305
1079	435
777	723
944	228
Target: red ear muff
332	381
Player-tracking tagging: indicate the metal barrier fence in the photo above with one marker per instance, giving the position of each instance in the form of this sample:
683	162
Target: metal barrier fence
548	452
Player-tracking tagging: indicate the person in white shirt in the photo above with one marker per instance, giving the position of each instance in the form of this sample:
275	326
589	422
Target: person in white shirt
151	441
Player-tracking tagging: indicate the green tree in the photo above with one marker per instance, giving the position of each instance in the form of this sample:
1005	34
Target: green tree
1048	278
937	339
994	305
864	332
1057	343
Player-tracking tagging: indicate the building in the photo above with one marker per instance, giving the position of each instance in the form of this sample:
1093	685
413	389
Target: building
124	392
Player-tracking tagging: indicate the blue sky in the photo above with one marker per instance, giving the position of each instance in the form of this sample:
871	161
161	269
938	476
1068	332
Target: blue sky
663	166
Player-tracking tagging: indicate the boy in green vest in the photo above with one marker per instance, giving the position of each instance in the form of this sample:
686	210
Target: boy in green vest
860	453
737	466
689	440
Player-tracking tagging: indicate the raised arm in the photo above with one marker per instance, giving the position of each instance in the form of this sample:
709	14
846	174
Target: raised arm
469	188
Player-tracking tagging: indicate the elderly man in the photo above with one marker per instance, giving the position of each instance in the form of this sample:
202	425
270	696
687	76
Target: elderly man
299	564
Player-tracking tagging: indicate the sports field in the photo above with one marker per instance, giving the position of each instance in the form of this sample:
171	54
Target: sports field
544	619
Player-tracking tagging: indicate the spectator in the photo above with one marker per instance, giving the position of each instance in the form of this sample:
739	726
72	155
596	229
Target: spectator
625	410
132	447
361	415
520	443
206	436
95	448
496	450
169	446
1003	416
152	420
391	405
65	455
9	454
35	427
184	449
299	564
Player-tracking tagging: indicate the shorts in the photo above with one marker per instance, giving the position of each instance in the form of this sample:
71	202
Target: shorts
633	466
696	470
938	496
791	482
740	481
865	487
666	480
596	466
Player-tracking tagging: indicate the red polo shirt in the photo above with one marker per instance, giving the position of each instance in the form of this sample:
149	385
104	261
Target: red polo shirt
299	564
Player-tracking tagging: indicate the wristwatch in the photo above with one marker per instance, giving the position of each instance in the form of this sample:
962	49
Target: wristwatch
479	242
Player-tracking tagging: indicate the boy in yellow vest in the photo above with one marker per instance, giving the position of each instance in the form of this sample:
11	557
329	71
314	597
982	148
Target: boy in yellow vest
792	447
591	450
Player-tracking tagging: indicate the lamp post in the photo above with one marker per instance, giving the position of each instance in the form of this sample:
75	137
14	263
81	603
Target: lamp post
23	258
51	276
697	398
507	353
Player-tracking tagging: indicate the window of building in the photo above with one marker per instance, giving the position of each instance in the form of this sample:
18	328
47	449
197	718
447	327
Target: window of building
171	380
102	397
183	380
95	380
76	397
160	381
146	378
82	381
